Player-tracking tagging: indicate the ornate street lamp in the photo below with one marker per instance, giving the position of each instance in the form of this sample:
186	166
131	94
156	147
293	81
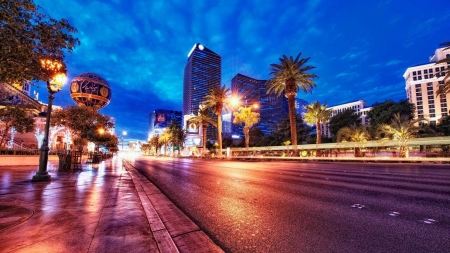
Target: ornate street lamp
53	86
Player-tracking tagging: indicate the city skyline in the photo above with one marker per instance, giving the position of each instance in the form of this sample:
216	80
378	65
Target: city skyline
141	48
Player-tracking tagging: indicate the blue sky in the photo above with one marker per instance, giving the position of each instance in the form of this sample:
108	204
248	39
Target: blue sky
360	48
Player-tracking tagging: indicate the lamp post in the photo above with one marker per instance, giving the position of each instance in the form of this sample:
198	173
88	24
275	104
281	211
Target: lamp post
123	134
53	86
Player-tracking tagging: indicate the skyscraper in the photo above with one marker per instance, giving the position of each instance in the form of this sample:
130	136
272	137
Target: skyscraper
203	71
271	108
248	90
422	82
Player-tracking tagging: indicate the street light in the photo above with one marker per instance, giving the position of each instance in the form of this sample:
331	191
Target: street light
123	134
53	86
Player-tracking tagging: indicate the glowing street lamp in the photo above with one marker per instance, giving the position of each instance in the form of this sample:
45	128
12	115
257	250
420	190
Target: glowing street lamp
53	86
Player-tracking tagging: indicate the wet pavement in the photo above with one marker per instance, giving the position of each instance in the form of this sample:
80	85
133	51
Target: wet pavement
310	206
107	207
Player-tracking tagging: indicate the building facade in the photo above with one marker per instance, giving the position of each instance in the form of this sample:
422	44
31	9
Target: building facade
300	105
422	82
270	107
202	72
160	119
358	106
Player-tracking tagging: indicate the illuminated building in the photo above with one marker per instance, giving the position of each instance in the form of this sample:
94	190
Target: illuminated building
203	71
270	107
422	82
358	106
160	119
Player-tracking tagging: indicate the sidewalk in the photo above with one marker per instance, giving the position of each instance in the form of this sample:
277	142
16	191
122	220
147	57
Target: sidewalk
104	208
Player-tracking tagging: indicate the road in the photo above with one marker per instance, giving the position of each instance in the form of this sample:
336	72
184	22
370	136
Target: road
310	207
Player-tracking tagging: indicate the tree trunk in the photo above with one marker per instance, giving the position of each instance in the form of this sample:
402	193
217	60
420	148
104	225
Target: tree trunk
319	132
204	126
403	151
318	137
292	120
358	152
219	134
247	136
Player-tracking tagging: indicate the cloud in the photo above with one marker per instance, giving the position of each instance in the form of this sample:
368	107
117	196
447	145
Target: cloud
393	62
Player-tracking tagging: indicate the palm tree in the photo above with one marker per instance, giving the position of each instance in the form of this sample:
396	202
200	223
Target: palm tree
217	100
401	130
164	139
317	114
288	77
154	143
359	135
245	116
445	88
177	135
204	117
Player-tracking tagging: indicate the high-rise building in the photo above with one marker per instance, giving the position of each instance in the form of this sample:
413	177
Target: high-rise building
271	108
203	71
248	90
358	106
422	82
159	119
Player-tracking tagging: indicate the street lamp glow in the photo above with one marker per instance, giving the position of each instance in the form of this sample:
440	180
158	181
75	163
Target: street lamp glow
234	101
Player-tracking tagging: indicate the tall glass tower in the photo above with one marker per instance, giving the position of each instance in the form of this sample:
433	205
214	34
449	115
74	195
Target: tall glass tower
203	71
271	108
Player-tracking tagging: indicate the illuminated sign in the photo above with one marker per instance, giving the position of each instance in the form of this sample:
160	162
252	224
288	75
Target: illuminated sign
191	127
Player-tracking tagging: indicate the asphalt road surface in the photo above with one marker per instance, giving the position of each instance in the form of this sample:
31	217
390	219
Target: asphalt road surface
310	207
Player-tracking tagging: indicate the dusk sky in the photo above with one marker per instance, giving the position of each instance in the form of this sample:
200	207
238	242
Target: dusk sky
360	48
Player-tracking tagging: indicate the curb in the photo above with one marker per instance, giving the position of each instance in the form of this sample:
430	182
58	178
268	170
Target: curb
171	228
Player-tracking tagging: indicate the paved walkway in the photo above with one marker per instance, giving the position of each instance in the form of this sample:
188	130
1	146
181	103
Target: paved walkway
109	207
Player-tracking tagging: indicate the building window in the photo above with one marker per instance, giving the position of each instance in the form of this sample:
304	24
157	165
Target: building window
414	73
418	85
426	77
419	99
419	111
414	78
441	82
430	97
432	115
420	116
418	90
443	109
430	70
425	71
431	106
419	102
437	69
420	107
429	88
432	111
442	68
444	114
431	101
430	84
419	72
430	92
420	77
